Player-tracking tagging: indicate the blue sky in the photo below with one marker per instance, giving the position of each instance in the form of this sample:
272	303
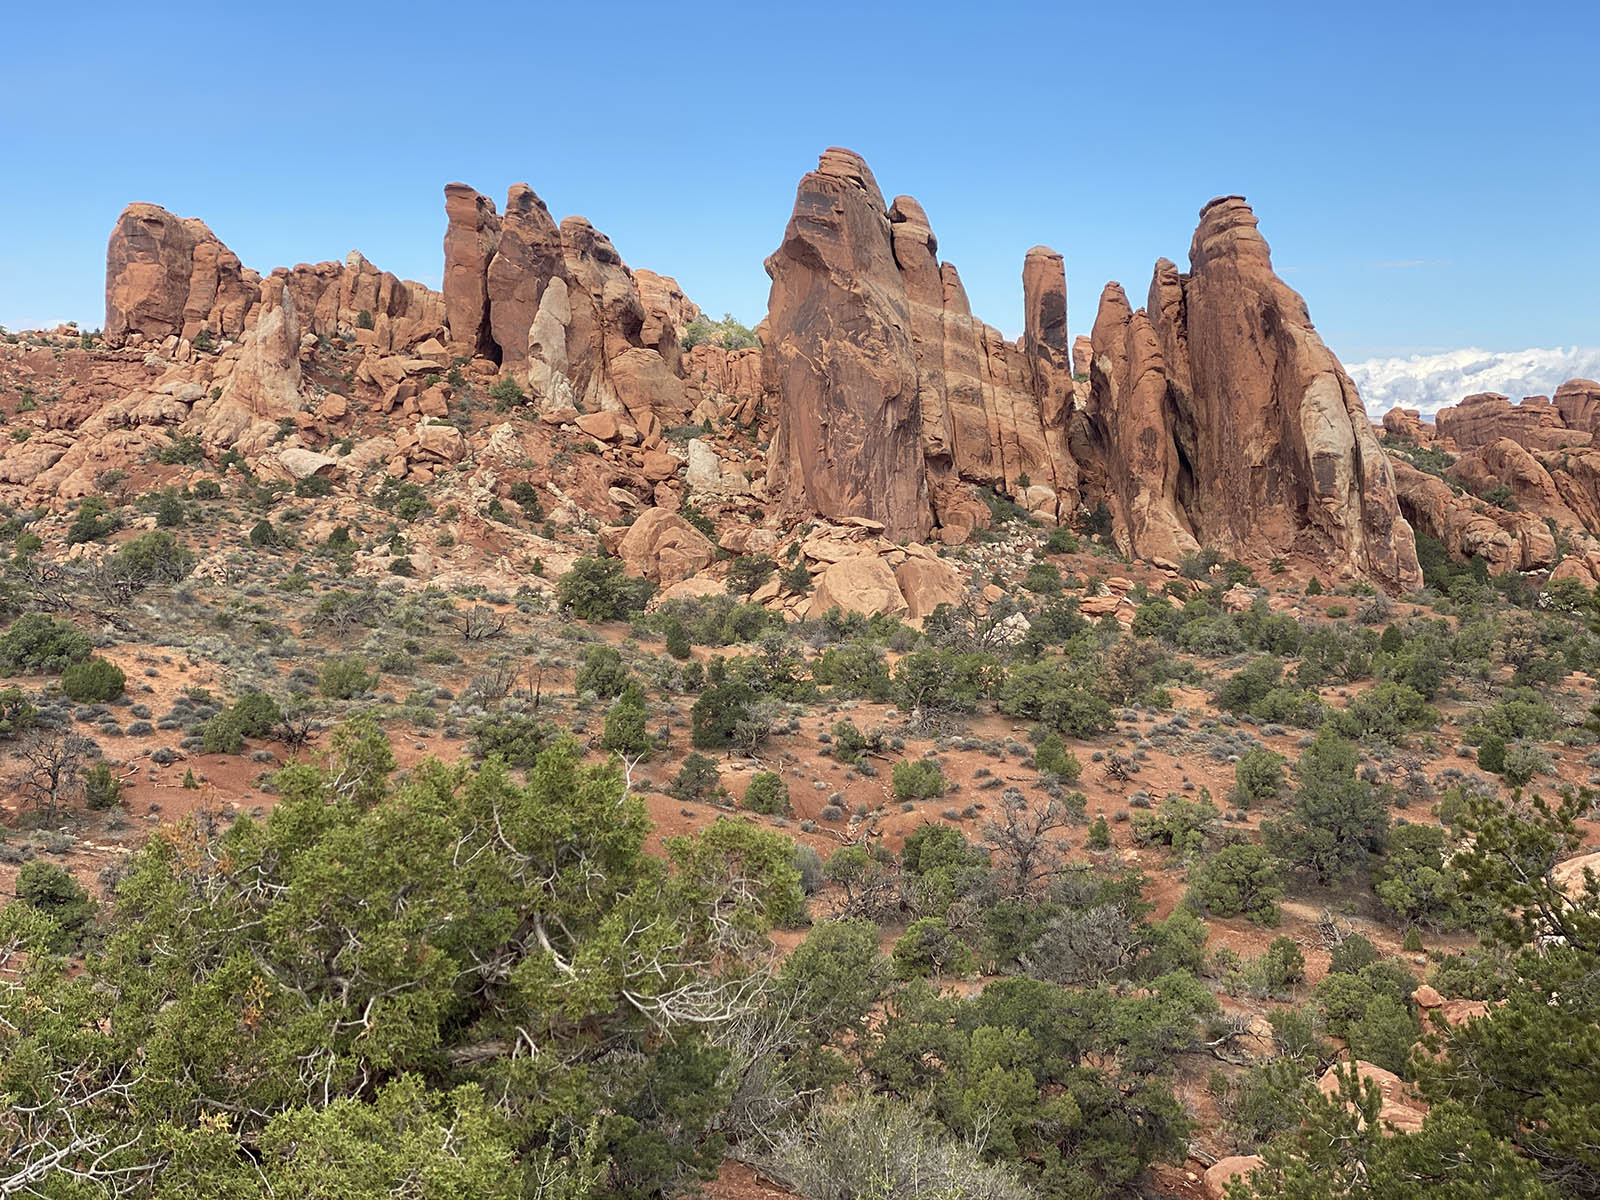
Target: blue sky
1426	173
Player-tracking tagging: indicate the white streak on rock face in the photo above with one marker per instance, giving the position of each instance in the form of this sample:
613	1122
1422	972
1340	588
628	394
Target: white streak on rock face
1429	382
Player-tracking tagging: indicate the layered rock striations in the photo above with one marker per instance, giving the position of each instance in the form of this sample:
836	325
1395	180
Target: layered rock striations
171	276
891	398
1217	417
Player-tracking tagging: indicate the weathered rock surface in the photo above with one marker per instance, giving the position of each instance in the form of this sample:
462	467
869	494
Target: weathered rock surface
263	387
1401	1110
1486	417
1132	417
840	357
664	548
471	237
169	275
1466	527
863	584
1231	423
1225	1170
1406	424
1578	402
527	257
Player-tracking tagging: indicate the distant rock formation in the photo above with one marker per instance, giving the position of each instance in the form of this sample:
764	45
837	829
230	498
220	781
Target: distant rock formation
1486	417
891	398
1223	420
167	275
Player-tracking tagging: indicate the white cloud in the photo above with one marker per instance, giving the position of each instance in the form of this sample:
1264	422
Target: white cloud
1429	382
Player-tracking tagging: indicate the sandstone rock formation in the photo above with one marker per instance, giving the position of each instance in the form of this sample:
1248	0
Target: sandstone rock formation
1400	1112
1485	417
168	275
1406	424
1506	541
264	384
840	358
1239	426
471	237
1578	402
527	258
1225	1170
664	548
864	584
891	398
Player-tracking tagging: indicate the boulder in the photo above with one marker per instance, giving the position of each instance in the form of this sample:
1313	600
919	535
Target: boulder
862	584
1225	1170
1405	424
302	463
1401	1112
664	548
926	583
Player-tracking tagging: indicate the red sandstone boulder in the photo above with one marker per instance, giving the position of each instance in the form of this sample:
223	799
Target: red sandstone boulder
1225	1170
664	548
862	584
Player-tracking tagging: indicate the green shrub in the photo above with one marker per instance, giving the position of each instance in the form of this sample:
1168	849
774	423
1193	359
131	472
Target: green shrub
602	673
263	534
1238	879
929	948
507	393
39	644
918	779
256	714
625	729
50	890
17	713
698	779
1099	834
1052	757
222	735
516	738
767	793
716	715
677	639
1258	776
94	520
93	681
101	788
597	589
346	678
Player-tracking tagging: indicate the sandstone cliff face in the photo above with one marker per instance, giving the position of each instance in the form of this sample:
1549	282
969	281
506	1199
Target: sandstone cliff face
840	357
892	399
471	237
168	275
1217	417
527	257
1506	541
